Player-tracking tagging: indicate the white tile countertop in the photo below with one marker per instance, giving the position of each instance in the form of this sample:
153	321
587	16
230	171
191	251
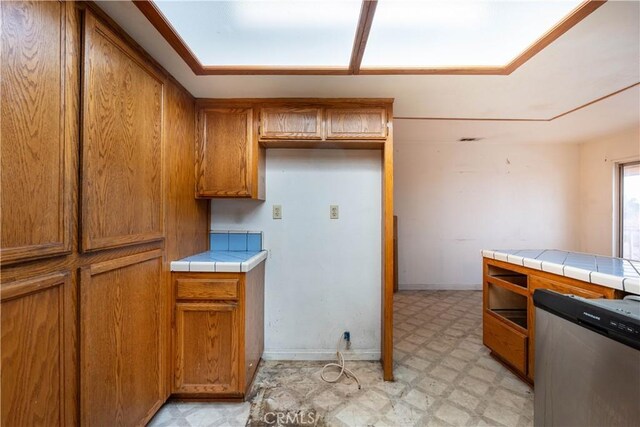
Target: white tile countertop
220	262
616	273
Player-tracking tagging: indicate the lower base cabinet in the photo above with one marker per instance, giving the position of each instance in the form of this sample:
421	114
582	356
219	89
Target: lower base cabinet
122	381
509	313
207	344
34	346
218	333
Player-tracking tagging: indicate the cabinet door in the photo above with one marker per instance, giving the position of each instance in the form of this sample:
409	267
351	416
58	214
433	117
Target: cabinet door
36	156
291	123
33	351
122	340
356	123
207	348
227	153
122	191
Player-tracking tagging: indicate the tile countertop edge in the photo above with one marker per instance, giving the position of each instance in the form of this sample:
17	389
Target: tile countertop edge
627	284
219	266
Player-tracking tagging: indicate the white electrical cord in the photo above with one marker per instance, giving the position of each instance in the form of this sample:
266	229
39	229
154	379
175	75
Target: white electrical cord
343	369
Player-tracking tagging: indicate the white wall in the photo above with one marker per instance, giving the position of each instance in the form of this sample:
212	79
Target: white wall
452	200
598	165
323	276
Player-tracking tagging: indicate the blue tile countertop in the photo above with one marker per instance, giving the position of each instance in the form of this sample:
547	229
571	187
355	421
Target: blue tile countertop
617	273
220	262
231	252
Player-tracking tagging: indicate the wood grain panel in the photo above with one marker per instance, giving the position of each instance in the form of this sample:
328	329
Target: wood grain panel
253	322
33	351
122	186
291	123
388	264
187	219
356	123
508	343
207	352
121	340
226	154
194	287
36	155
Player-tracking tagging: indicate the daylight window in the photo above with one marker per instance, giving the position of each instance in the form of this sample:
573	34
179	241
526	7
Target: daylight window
630	210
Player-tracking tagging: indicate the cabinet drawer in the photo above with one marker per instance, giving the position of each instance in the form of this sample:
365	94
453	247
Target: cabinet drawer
563	288
291	123
506	342
207	289
356	123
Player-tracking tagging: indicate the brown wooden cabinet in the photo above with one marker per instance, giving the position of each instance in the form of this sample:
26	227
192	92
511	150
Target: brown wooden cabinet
233	134
207	346
121	338
229	162
323	123
92	349
36	150
509	313
35	344
122	168
297	123
218	333
356	123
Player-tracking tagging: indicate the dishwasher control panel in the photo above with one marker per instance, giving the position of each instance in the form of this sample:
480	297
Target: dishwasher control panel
618	319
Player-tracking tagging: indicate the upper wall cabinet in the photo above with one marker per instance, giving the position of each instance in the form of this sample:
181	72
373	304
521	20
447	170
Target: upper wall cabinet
229	162
324	123
356	123
290	123
122	188
232	135
36	155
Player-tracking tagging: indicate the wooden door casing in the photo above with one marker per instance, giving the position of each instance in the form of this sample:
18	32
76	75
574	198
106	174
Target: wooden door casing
122	312
357	123
208	348
36	152
33	351
122	163
227	153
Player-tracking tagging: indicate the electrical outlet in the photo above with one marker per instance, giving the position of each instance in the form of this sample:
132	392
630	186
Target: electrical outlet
334	212
277	212
346	335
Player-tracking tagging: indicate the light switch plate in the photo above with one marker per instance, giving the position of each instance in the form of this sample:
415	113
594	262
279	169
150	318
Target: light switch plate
277	212
334	212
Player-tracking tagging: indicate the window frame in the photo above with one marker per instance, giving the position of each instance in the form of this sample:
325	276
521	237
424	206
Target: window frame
620	204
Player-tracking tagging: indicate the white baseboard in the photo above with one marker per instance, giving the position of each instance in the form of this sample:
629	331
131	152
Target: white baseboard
433	287
325	355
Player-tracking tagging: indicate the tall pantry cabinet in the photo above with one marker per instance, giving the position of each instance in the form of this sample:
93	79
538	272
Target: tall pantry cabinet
88	204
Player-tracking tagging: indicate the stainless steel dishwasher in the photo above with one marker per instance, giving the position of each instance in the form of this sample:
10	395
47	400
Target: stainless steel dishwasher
587	361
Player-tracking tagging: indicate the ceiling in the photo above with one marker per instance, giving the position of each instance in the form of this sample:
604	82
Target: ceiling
597	57
357	36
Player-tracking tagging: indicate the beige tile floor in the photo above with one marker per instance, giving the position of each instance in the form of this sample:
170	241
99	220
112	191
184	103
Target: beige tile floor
444	377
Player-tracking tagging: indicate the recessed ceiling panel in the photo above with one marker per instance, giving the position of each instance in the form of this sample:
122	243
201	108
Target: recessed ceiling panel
432	34
266	33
